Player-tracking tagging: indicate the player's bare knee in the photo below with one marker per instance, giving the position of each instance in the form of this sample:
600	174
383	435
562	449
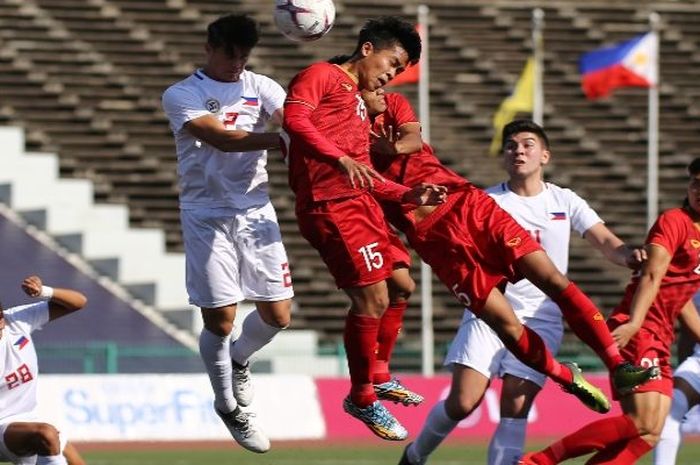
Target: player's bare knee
45	439
458	407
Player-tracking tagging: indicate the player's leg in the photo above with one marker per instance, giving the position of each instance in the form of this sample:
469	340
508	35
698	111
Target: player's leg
473	358
22	440
400	286
686	395
521	384
212	278
264	279
529	348
72	455
583	317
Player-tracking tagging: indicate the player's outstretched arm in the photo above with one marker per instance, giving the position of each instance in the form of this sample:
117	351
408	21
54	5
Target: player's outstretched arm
691	320
425	195
61	301
614	249
211	131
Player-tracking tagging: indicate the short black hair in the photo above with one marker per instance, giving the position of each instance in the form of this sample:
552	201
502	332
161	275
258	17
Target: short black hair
694	167
386	31
524	125
339	59
233	31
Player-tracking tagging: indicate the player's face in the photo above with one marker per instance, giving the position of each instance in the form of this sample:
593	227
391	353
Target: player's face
694	193
375	101
223	66
379	66
524	155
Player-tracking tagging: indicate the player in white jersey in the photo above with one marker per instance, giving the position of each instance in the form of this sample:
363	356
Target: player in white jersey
686	395
476	354
24	438
233	244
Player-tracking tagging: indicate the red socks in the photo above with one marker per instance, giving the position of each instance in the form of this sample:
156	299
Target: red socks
586	321
389	329
532	351
624	452
360	338
597	436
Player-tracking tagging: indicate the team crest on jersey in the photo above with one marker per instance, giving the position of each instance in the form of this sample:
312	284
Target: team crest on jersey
695	243
21	342
346	86
212	105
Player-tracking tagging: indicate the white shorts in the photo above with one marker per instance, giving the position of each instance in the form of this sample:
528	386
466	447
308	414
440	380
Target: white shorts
689	370
478	347
7	456
232	255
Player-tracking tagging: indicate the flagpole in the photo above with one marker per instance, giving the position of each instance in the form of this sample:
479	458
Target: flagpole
538	53
426	275
653	130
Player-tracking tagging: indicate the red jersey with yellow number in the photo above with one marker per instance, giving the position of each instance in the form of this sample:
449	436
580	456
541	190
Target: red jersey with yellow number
676	232
325	96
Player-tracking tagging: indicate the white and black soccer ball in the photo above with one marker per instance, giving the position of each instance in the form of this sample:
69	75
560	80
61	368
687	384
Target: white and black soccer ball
304	20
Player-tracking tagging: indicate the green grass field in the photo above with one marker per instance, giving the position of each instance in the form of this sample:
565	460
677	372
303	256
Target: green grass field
315	454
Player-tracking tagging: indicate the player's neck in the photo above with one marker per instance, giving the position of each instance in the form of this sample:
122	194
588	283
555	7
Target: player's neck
350	69
526	187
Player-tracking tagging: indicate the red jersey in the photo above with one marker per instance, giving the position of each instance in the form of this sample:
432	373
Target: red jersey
411	169
325	119
676	232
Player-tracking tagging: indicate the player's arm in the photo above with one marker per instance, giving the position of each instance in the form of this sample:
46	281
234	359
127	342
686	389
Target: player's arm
61	301
614	249
691	320
211	131
653	271
406	140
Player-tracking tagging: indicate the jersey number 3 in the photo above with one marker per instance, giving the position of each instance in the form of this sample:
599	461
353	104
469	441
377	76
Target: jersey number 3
20	376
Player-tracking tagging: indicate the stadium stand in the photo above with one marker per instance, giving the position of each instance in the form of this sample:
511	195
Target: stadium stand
83	79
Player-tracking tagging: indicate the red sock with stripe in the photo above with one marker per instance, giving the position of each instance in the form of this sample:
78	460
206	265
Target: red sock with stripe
532	351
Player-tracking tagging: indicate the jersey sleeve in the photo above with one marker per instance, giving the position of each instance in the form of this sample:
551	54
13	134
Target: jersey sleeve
271	93
400	110
180	106
583	217
30	317
668	232
305	93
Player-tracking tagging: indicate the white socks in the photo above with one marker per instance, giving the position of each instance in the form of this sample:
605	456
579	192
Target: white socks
215	353
436	428
51	460
255	334
667	448
508	441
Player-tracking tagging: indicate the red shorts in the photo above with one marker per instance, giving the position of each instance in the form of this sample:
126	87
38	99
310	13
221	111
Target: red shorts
647	349
472	245
352	237
398	253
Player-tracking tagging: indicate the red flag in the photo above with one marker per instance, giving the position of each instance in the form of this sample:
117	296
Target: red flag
410	76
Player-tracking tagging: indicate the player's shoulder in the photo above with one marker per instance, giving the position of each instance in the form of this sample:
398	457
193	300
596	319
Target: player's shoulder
24	312
497	190
676	215
184	86
396	98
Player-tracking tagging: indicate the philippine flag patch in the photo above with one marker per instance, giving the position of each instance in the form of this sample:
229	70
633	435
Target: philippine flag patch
558	215
21	342
250	101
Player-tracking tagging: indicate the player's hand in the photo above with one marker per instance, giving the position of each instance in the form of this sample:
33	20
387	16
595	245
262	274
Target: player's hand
426	194
623	333
636	258
360	175
383	141
32	286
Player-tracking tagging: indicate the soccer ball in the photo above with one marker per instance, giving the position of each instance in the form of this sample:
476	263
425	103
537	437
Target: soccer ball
304	20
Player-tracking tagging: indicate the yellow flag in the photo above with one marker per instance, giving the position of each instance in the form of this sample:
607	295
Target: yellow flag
520	101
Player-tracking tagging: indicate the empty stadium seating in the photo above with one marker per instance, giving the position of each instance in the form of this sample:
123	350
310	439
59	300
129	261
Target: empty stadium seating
84	80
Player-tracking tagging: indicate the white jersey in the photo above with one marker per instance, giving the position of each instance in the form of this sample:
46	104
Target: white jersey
209	177
19	361
549	217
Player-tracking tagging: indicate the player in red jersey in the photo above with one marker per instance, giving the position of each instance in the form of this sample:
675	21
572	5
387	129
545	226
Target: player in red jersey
327	136
474	246
642	324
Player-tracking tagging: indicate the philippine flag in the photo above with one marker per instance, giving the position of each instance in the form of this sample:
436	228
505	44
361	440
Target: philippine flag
557	216
632	63
250	101
21	342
